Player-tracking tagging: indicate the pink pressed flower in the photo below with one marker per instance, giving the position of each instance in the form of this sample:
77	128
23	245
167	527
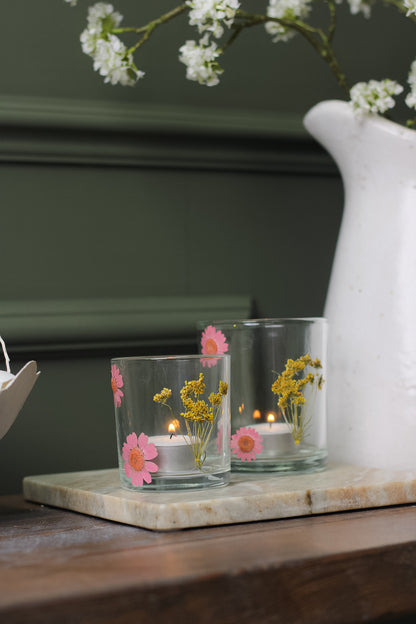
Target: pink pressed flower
136	453
212	342
246	443
116	384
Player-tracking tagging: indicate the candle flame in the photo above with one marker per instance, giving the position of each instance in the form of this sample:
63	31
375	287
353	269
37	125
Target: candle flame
271	417
171	428
256	414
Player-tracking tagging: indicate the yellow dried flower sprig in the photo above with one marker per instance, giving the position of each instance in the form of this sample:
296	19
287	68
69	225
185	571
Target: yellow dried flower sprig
215	398
290	389
199	411
198	415
163	396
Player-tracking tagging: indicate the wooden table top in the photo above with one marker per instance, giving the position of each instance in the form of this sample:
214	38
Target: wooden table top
60	566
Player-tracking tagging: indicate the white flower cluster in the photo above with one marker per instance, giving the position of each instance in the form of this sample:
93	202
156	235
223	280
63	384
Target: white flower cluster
111	57
411	96
285	9
200	61
374	96
360	6
210	15
101	18
410	5
114	61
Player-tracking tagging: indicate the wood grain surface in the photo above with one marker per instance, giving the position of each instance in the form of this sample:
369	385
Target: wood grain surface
59	566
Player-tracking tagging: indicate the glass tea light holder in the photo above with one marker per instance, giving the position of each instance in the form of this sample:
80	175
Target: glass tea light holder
278	393
172	421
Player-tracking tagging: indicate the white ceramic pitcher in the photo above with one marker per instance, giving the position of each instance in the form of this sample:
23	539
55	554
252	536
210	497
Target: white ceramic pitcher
371	300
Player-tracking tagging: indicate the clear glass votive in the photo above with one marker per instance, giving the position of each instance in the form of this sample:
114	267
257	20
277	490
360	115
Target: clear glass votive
278	392
172	421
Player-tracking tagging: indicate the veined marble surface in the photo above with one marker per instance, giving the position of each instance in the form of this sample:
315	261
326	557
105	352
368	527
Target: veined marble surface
247	498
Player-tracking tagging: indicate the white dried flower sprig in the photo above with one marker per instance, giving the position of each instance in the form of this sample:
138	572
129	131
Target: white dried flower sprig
374	96
360	6
286	9
200	61
411	96
226	18
115	62
211	15
112	59
410	5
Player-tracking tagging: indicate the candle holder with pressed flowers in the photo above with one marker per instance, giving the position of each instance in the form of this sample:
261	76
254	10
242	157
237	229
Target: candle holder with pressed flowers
278	393
172	420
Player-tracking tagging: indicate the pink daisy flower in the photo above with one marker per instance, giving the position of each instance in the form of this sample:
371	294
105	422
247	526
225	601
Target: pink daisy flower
116	384
212	342
246	443
136	453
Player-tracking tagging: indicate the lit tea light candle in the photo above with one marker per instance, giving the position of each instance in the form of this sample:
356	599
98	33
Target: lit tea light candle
173	453
277	439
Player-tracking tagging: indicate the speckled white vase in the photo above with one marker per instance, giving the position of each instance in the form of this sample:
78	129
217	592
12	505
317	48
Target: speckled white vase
371	300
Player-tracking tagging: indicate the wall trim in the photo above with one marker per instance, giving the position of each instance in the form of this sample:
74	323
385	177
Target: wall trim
82	132
102	324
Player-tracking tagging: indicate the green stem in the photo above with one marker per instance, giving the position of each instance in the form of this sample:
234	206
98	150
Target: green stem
170	409
316	37
332	21
237	30
148	29
289	421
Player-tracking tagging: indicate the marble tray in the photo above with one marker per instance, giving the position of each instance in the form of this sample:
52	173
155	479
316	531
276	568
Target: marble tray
247	498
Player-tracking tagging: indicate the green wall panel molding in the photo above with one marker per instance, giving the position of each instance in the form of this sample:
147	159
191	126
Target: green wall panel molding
101	324
58	131
112	116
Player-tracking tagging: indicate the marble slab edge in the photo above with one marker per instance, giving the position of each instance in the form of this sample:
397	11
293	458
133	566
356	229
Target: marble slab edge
247	498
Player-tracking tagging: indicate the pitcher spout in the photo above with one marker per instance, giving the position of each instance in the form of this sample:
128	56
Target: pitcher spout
355	141
331	123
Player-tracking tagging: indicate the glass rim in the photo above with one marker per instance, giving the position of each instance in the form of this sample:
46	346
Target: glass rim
266	322
155	358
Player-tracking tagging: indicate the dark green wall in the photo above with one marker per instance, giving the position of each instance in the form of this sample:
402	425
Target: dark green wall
128	214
